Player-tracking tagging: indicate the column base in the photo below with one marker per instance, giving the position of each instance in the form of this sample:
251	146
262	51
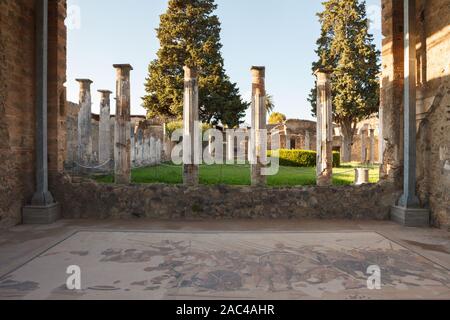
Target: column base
411	217
41	214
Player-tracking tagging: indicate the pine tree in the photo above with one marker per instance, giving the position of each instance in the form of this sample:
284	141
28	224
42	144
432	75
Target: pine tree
347	48
189	34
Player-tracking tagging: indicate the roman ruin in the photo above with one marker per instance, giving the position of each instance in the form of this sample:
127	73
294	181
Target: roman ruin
431	101
265	242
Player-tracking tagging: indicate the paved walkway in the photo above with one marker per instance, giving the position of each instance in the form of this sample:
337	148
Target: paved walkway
144	259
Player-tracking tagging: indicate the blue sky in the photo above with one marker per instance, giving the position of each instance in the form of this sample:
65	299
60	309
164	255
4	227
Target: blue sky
278	34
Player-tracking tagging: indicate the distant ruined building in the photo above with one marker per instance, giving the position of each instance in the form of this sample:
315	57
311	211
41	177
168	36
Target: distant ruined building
301	134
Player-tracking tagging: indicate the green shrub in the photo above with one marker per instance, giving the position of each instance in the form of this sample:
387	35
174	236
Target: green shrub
303	158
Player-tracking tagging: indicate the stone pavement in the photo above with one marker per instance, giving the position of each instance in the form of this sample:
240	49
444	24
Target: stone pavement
224	260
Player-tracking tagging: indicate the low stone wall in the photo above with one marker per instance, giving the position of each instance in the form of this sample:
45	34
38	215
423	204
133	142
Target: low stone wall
88	199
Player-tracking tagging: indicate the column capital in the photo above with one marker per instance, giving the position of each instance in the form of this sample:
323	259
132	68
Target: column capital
105	92
123	66
258	71
84	83
323	74
190	72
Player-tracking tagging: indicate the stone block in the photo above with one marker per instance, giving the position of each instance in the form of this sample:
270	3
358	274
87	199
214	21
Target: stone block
411	217
41	214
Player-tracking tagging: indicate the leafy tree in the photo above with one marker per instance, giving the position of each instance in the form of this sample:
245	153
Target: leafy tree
277	118
347	48
189	34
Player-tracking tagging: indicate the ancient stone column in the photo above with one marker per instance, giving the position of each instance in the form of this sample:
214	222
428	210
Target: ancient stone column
122	136
363	146
307	140
288	142
324	129
133	147
408	211
259	126
190	120
372	146
104	138
84	122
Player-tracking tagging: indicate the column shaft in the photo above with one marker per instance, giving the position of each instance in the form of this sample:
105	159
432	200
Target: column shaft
324	129
104	139
259	126
42	196
122	135
409	198
191	143
84	122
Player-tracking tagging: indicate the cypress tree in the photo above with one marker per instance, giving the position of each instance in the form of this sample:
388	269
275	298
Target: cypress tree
347	48
189	34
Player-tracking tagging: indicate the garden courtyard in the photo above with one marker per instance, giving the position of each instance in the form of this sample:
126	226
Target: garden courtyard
239	175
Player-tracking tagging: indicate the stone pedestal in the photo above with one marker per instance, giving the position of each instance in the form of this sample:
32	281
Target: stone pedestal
122	136
191	140
259	127
324	129
41	214
361	176
411	217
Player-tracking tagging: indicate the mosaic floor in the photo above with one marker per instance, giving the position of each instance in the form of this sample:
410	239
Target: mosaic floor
269	265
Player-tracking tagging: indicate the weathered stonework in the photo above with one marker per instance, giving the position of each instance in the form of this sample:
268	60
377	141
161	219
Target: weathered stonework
17	102
88	199
433	75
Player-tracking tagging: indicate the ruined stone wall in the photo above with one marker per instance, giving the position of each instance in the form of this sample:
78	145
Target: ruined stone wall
88	199
17	104
433	74
17	116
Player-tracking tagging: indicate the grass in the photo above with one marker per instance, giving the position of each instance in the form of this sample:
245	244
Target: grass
240	175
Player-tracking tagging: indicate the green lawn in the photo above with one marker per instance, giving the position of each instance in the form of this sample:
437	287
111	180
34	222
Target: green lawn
240	175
